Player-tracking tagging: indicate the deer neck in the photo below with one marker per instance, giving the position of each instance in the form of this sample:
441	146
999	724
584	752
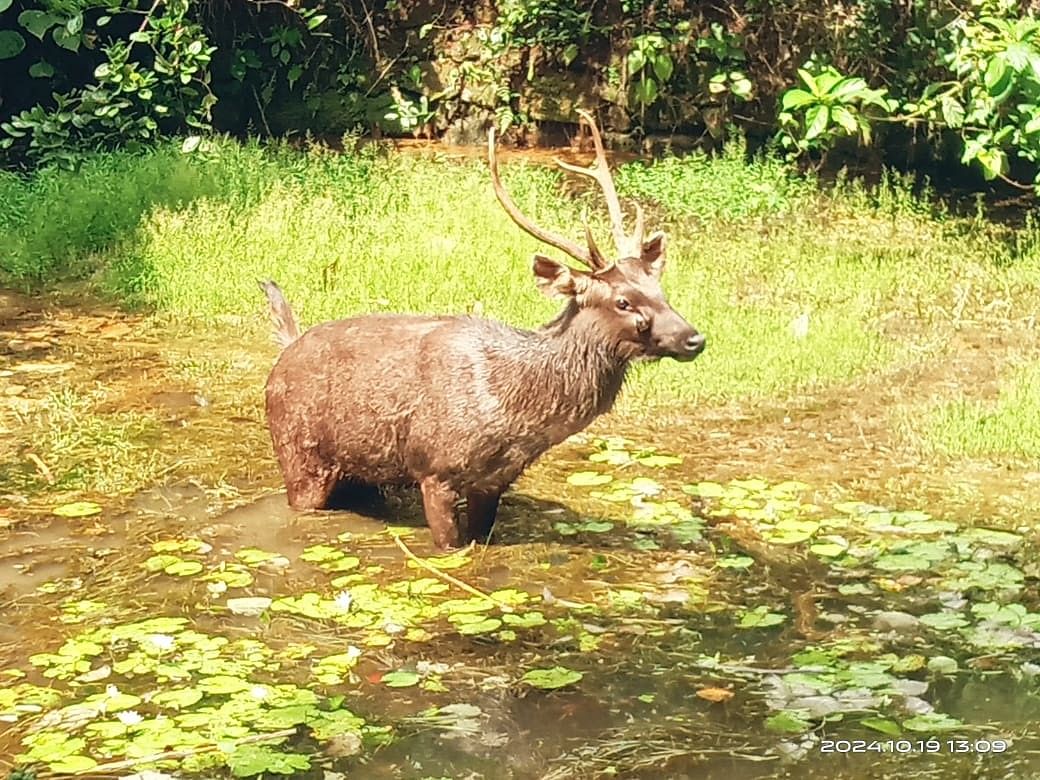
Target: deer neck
573	371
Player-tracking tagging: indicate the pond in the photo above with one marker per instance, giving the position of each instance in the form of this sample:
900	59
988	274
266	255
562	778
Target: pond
767	594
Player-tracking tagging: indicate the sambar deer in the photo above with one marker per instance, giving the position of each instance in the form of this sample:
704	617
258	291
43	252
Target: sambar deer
460	405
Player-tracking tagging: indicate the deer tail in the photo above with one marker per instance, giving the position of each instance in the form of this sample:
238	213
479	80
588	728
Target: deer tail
286	330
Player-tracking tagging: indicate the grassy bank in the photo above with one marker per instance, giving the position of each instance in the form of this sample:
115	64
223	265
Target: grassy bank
795	286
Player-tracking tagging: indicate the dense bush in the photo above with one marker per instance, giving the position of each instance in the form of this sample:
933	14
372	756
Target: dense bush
82	74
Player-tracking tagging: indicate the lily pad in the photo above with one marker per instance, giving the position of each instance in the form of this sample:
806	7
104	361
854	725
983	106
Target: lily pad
400	679
551	679
588	478
77	509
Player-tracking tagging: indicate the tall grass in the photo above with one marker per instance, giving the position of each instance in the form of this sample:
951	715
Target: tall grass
792	285
1009	426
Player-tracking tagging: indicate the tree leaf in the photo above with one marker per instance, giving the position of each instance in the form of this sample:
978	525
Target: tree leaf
636	61
816	120
996	75
663	67
845	118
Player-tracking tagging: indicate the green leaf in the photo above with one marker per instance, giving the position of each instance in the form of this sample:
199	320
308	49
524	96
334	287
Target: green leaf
793	98
72	764
588	478
809	80
816	120
223	684
997	75
42	70
663	67
636	61
75	24
646	91
848	89
993	162
37	22
400	679
788	722
4	5
11	44
1018	54
65	39
177	698
889	727
845	118
735	562
760	617
77	509
952	112
933	721
658	461
551	679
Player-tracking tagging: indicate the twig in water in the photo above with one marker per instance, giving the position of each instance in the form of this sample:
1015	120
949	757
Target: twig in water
448	578
41	467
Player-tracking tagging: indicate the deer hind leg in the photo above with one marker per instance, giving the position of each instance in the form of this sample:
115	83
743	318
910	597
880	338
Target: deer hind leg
439	507
481	509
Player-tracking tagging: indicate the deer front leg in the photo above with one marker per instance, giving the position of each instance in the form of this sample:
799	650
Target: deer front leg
439	507
481	509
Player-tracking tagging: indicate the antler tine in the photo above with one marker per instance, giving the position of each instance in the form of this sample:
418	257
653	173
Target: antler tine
640	231
600	171
585	256
597	256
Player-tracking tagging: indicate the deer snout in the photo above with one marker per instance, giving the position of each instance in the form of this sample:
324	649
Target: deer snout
681	341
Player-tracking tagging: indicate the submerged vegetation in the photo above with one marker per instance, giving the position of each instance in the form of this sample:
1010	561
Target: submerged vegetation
820	535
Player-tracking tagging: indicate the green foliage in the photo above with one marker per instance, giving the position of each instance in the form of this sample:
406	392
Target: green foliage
993	100
1009	426
562	26
54	223
650	64
828	106
153	81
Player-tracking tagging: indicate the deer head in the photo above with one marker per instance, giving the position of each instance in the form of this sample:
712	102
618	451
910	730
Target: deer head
624	295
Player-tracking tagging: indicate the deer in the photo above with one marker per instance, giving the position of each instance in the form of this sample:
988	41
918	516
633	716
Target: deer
460	405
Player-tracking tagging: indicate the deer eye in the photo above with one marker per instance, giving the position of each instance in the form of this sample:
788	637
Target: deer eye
623	304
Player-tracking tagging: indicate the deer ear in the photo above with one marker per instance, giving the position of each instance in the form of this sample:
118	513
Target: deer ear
652	254
555	279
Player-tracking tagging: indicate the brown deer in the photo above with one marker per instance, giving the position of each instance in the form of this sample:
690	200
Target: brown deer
460	405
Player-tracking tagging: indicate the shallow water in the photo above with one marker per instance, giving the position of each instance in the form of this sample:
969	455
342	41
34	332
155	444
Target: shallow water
723	625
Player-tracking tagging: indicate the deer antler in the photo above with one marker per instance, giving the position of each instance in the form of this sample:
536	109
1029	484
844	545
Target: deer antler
627	245
591	257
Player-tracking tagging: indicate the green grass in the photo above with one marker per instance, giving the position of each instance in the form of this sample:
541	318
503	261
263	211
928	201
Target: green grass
1009	426
753	246
85	449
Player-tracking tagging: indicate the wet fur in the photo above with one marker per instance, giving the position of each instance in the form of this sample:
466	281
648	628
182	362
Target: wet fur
457	405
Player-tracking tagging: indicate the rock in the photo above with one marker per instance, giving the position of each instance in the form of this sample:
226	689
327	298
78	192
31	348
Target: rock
470	130
556	97
900	622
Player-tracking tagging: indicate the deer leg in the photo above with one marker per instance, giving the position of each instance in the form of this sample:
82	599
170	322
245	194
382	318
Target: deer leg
310	490
481	509
439	507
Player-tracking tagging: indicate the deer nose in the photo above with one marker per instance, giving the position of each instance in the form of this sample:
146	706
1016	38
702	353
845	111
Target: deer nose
695	344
